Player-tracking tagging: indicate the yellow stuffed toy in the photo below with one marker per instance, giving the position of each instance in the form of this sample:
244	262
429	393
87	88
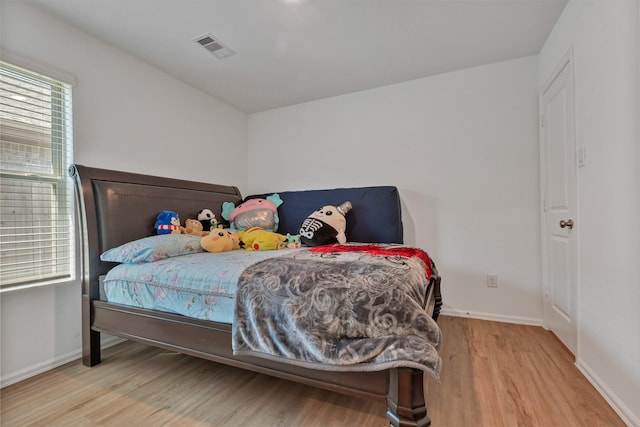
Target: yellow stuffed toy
235	238
220	240
259	239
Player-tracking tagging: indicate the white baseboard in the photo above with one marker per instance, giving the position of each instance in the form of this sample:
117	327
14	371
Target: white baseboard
629	418
31	371
519	320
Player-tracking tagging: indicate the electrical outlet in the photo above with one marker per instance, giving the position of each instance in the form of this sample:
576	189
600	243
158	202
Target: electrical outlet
492	280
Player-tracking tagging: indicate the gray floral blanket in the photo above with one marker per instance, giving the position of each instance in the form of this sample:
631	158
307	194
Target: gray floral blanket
339	307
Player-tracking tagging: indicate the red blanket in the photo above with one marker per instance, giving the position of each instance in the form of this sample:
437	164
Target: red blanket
380	251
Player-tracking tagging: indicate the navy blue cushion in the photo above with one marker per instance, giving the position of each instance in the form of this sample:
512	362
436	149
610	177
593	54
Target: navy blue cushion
376	216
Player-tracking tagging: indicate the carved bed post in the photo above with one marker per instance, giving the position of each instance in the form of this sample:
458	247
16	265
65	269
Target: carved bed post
90	291
90	338
437	293
405	398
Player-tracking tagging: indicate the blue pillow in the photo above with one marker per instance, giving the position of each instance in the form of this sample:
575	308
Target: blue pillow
154	248
376	216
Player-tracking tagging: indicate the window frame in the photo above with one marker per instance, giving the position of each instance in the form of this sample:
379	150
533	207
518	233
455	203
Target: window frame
63	264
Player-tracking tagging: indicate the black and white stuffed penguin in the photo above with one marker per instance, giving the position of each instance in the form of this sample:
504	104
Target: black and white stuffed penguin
325	226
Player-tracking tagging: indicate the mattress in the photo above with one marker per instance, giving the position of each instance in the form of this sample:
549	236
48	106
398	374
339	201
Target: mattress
200	285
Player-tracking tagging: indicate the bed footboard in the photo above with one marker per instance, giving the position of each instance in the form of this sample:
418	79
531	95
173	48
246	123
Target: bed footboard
402	389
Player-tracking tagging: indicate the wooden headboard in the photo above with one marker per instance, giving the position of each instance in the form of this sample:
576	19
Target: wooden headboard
117	207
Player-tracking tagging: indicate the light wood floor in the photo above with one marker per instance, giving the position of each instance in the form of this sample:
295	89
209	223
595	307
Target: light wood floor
494	374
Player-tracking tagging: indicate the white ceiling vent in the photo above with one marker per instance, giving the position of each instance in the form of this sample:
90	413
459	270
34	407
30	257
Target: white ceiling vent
215	46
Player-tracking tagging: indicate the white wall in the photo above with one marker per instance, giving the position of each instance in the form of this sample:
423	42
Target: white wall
462	148
605	40
127	116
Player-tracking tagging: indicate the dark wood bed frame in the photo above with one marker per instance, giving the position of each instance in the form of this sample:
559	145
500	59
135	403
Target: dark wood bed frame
116	207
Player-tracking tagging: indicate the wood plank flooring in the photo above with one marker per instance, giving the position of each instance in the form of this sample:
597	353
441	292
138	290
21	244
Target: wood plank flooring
494	374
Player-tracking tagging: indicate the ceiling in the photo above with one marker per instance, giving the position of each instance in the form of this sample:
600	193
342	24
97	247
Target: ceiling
293	51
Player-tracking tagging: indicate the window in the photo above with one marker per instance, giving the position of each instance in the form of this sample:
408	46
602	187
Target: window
36	232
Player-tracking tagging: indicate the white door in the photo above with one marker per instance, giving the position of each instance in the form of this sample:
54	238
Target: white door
558	149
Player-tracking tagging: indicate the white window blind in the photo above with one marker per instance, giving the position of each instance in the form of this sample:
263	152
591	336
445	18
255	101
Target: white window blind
36	195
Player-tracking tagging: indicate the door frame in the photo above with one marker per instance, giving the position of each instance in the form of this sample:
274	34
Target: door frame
566	61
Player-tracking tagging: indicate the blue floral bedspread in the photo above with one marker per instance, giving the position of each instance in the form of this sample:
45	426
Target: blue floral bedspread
347	310
201	285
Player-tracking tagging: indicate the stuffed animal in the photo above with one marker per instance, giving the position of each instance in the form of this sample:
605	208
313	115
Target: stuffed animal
235	238
208	219
219	240
293	241
258	239
167	222
261	213
326	225
193	226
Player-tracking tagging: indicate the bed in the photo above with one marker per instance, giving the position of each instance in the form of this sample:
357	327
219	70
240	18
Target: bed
116	208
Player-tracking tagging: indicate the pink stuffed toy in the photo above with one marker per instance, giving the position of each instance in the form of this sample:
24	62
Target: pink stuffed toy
261	213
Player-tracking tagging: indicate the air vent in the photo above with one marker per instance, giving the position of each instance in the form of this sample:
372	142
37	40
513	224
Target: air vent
215	46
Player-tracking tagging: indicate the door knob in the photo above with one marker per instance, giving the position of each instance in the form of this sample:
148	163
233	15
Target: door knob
567	223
